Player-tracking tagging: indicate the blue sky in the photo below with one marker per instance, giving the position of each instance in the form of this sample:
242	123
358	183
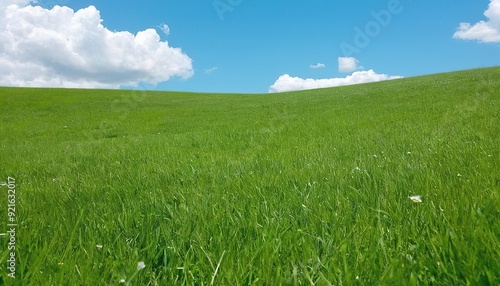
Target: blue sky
245	46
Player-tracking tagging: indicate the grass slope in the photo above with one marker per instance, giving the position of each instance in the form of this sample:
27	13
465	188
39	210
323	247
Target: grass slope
307	187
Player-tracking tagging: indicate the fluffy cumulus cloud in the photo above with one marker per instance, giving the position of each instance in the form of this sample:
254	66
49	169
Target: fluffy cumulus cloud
65	48
289	83
348	64
483	31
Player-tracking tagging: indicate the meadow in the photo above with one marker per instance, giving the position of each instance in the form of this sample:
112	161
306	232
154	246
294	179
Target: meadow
299	188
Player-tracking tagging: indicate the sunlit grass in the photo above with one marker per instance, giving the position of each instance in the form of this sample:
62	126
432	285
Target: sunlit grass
313	187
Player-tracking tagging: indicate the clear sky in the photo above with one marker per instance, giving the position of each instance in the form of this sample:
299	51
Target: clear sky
243	46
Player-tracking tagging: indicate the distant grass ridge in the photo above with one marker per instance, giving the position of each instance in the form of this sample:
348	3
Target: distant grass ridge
308	187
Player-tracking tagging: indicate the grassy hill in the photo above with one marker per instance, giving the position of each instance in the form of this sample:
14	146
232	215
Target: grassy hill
308	187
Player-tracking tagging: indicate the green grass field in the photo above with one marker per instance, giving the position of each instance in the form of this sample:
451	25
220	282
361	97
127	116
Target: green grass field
299	188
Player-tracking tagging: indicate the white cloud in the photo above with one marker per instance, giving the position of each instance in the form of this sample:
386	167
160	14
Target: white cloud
19	3
211	70
288	83
317	66
164	28
64	48
348	64
483	31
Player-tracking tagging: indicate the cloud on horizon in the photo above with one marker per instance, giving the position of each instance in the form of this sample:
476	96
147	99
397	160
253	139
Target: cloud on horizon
289	83
346	64
63	48
483	31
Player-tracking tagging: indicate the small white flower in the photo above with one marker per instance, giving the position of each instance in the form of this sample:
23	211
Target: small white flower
141	265
408	153
99	246
122	281
458	175
416	199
